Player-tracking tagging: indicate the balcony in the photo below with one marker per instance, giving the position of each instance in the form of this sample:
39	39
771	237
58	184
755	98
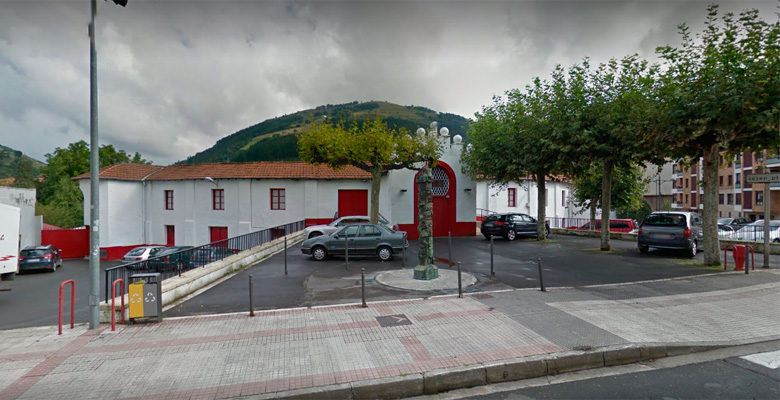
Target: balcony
773	162
737	165
677	205
677	190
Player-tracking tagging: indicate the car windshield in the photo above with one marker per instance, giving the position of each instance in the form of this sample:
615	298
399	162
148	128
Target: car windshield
724	221
665	220
136	252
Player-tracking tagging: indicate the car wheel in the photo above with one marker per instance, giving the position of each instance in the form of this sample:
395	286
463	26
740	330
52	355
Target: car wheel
692	251
385	253
53	267
511	234
486	236
644	249
315	234
319	253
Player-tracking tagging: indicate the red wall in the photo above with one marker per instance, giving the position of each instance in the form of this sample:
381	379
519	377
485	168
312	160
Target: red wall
74	243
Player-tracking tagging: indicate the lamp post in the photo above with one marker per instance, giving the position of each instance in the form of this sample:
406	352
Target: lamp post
94	178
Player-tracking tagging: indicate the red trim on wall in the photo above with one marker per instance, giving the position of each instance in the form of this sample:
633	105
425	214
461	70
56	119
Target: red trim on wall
451	211
459	229
74	243
318	221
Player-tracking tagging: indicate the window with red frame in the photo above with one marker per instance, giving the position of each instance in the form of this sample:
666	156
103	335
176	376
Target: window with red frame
512	192
218	199
169	199
278	201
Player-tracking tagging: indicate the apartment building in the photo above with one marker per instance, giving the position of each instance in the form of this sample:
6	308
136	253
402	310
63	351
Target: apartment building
736	198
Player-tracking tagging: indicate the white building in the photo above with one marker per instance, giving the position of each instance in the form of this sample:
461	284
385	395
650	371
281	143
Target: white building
197	204
29	224
523	197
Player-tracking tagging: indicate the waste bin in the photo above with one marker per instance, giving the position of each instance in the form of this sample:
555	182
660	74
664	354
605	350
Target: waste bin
145	297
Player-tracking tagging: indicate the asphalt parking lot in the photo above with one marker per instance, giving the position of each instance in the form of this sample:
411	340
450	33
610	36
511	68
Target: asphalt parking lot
566	261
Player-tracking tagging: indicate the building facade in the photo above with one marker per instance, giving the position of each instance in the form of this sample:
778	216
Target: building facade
30	224
736	198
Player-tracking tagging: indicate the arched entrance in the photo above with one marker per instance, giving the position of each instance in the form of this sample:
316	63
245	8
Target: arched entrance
444	199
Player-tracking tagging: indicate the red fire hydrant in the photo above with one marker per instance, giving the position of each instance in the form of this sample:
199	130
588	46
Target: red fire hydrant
740	253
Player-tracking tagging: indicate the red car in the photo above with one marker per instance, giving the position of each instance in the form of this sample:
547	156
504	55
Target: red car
615	225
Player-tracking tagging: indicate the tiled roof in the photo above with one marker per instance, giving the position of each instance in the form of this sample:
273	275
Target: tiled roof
124	172
249	170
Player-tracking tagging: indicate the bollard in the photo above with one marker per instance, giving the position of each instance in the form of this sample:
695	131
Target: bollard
72	284
403	252
251	306
121	283
285	254
460	285
541	278
346	251
449	249
492	272
363	285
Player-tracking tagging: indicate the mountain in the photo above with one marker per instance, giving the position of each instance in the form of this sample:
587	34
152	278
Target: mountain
275	139
9	157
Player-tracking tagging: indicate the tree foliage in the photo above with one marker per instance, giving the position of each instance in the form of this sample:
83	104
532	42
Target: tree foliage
24	173
59	198
371	146
627	188
721	92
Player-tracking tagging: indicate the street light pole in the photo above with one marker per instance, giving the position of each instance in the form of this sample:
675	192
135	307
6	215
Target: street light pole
94	178
94	181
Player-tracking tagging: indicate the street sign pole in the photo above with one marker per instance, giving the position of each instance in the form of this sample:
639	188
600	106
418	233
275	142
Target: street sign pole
767	180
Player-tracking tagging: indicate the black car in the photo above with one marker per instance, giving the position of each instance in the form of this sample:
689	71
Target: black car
40	257
176	258
206	255
511	225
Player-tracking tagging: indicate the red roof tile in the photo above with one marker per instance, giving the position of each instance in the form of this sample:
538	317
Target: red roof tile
124	172
250	170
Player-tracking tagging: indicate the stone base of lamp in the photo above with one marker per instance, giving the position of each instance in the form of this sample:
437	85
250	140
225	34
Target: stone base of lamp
426	272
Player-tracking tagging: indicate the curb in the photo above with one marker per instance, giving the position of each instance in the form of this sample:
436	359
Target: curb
446	379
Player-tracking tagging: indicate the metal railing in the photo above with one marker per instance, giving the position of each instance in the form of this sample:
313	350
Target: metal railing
751	233
174	264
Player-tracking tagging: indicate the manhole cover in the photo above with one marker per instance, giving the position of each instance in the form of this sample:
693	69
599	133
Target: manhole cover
393	320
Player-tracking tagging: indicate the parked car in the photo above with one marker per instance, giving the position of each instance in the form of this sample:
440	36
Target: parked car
755	231
365	239
671	230
142	253
725	232
319	230
175	258
735	223
615	225
40	257
511	225
206	255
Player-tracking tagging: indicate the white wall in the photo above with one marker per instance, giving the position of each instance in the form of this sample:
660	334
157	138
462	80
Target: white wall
489	197
29	224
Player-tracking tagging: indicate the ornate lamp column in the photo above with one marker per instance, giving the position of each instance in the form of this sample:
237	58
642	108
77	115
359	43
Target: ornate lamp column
426	269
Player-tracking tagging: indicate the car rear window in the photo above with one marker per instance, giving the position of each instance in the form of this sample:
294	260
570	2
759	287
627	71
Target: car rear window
493	217
136	252
33	253
665	220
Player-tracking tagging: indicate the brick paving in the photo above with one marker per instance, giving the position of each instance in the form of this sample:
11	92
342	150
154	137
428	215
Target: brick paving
233	355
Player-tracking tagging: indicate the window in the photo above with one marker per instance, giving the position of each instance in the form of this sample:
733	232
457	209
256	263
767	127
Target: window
738	181
720	181
278	199
739	199
169	199
759	198
512	196
218	199
369	231
686	183
563	198
686	199
720	198
730	198
731	180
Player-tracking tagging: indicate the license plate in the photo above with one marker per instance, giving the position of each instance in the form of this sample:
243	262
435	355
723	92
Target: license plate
664	236
33	259
489	225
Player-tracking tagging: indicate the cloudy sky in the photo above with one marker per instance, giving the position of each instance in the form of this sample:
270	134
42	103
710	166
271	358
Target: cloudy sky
176	76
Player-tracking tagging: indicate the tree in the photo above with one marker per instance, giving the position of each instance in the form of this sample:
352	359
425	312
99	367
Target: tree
24	173
521	136
371	146
627	190
721	93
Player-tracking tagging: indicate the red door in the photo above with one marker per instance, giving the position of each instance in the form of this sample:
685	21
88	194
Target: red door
441	216
219	233
170	235
353	202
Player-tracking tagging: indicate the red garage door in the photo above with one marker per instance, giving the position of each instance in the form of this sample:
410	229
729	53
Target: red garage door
353	202
219	233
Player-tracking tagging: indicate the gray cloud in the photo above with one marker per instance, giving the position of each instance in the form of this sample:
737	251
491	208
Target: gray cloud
174	77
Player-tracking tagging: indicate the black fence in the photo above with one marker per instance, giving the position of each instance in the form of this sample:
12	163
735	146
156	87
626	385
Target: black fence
173	261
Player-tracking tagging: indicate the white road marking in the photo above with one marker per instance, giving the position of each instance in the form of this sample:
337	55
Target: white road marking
769	359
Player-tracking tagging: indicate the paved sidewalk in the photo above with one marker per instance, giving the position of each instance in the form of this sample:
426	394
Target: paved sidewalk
390	349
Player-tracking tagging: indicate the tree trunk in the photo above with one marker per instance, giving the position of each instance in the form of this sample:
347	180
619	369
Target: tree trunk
710	203
376	180
592	207
541	206
606	202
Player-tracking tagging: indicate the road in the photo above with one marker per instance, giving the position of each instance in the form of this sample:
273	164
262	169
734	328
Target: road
566	261
734	373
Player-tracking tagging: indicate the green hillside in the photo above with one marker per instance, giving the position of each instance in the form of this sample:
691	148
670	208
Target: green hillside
9	157
275	139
